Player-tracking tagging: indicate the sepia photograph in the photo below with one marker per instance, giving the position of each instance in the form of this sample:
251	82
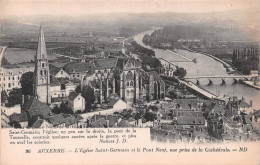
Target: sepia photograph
135	76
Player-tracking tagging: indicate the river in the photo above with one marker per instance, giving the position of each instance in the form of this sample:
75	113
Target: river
206	66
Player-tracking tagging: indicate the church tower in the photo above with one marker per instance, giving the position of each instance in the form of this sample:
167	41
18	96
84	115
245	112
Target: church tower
41	72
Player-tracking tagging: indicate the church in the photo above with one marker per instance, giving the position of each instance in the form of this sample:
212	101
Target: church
51	85
125	77
122	76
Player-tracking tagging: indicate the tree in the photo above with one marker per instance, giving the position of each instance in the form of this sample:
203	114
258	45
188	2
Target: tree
78	89
64	108
27	83
89	95
15	97
150	116
15	124
181	72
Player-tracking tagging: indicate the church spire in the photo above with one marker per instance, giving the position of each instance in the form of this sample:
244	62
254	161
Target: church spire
41	47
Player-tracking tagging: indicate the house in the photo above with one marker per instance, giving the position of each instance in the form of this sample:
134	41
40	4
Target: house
216	108
20	118
42	124
35	109
10	78
115	102
236	106
76	102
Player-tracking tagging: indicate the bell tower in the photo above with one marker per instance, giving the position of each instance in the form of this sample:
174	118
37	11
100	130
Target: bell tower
41	72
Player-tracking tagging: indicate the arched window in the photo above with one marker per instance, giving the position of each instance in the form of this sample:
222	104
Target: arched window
129	76
41	72
127	83
42	65
131	83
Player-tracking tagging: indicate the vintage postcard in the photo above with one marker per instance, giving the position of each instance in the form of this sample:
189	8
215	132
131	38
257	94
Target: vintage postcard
130	82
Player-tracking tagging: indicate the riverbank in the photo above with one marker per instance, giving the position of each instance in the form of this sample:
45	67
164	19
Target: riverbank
226	65
251	84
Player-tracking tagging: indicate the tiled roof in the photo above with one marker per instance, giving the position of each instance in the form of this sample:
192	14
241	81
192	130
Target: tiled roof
184	103
189	113
79	67
243	104
97	117
38	123
99	123
190	120
21	117
53	69
124	123
105	63
112	120
54	81
73	95
35	107
112	99
59	119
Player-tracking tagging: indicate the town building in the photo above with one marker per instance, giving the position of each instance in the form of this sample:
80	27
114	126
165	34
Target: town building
76	102
10	78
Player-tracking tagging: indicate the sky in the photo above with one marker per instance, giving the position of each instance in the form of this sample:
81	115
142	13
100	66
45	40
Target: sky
85	7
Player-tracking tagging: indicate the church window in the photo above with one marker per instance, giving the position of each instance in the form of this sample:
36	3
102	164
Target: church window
131	83
129	76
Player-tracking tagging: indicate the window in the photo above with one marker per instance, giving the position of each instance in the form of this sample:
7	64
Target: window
13	78
127	83
9	85
18	78
61	72
131	83
8	78
45	72
42	65
41	72
79	98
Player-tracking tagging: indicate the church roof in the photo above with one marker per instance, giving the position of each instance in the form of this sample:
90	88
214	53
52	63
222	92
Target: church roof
41	47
